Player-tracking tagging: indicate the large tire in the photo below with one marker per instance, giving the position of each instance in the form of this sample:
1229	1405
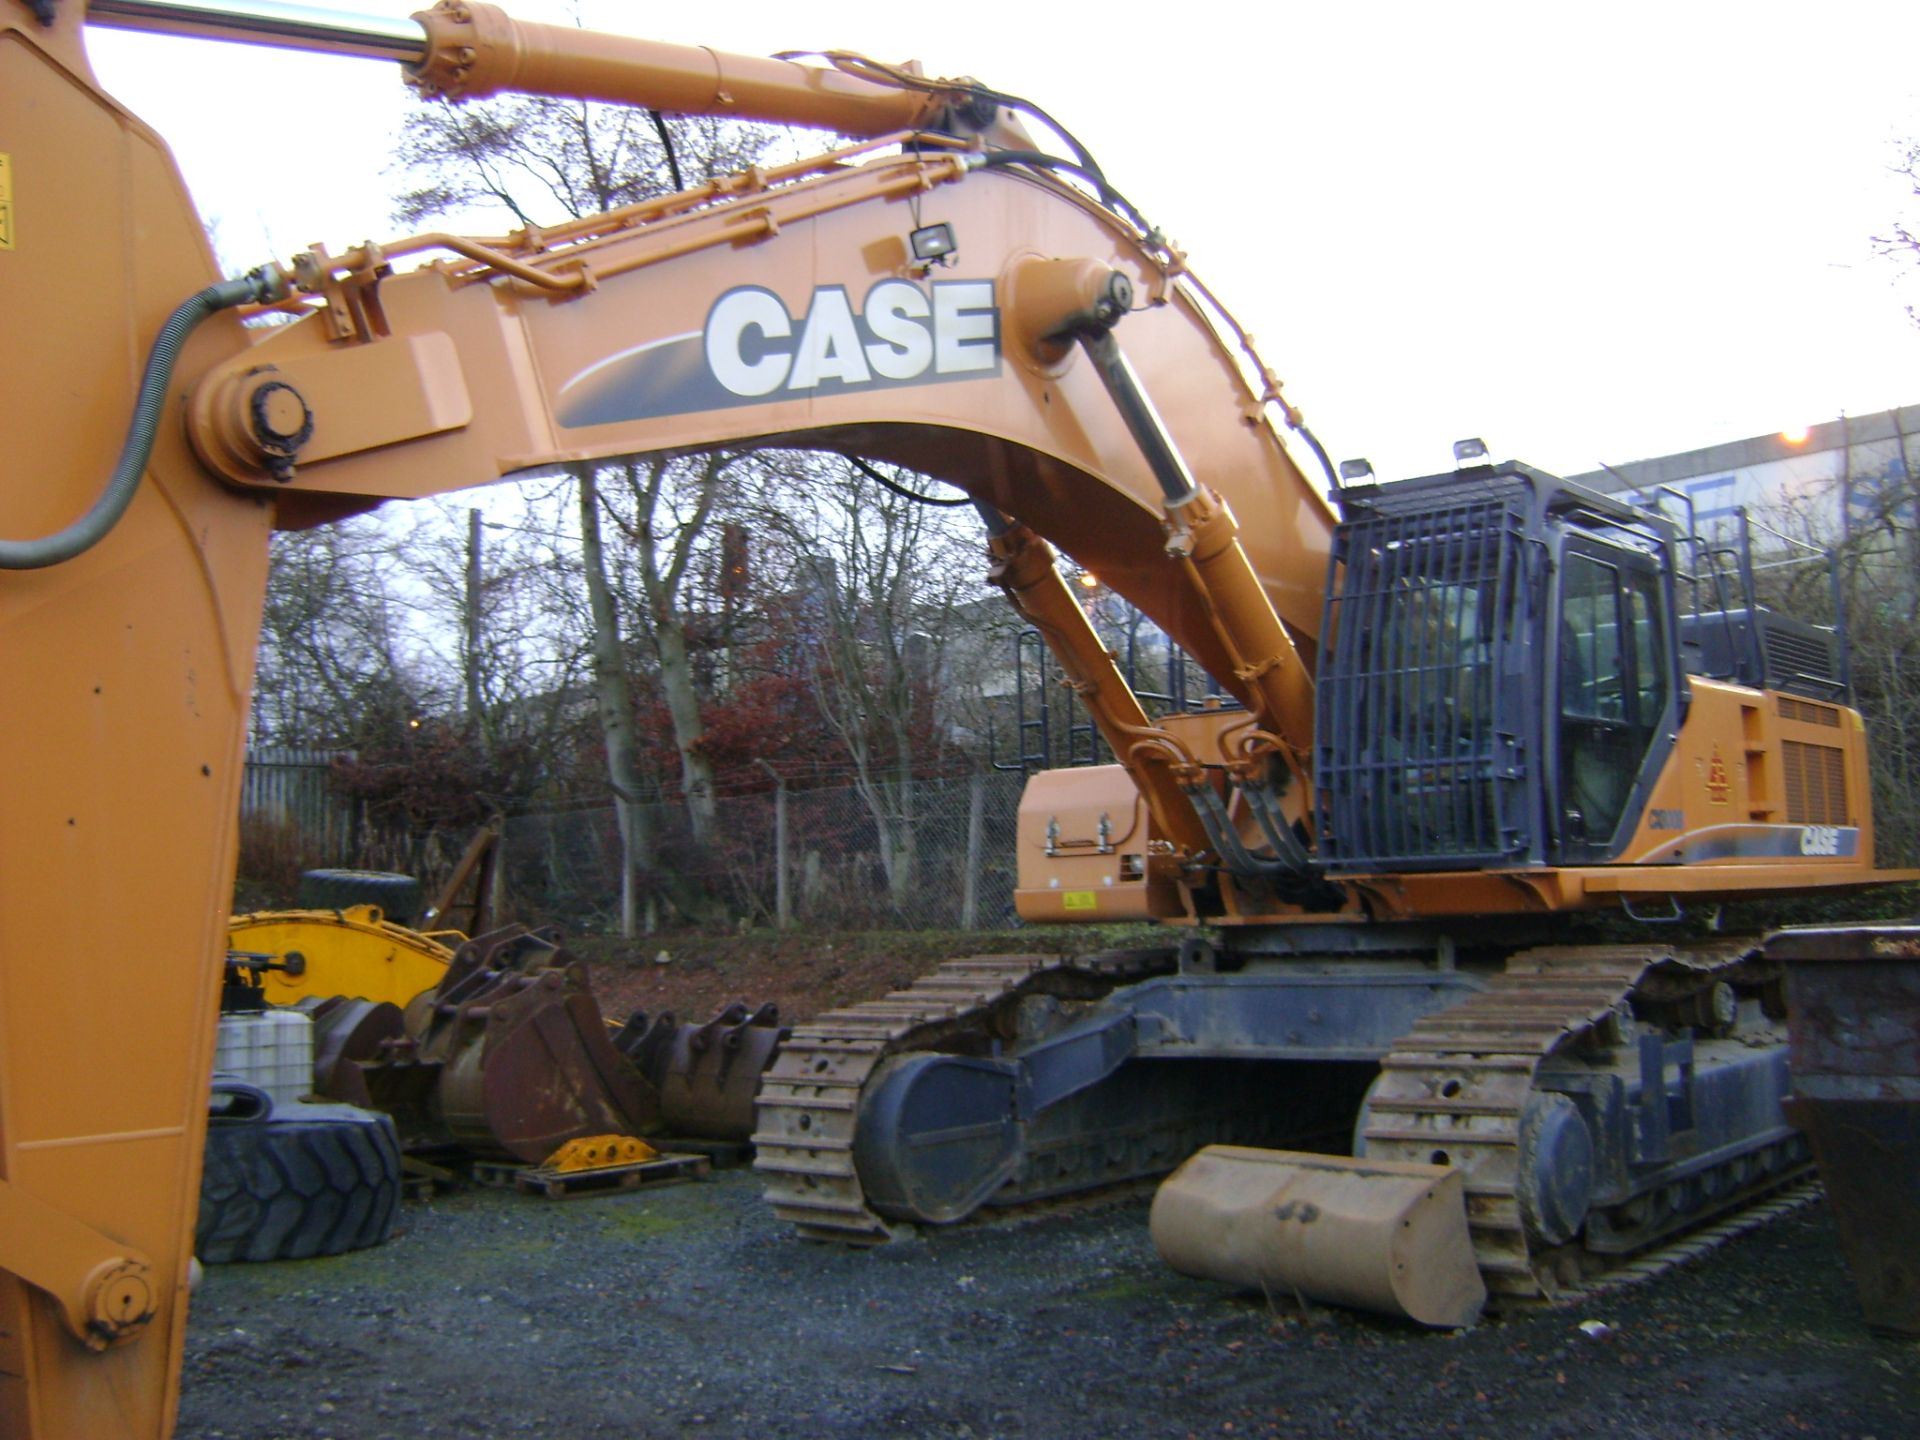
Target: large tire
306	1180
397	895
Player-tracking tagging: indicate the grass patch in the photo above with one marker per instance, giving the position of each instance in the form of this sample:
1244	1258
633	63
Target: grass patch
639	1224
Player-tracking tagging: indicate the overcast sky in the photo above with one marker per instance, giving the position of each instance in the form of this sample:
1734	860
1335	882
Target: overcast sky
1585	232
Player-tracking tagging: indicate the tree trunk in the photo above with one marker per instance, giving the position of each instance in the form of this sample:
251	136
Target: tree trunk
890	803
614	696
689	731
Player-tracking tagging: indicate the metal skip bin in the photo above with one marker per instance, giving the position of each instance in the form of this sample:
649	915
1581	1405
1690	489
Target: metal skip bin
1380	1235
1853	1003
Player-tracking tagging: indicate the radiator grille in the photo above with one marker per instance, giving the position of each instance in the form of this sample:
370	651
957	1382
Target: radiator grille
1809	714
1816	783
1798	659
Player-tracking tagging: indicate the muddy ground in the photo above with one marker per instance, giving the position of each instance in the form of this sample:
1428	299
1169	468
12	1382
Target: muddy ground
690	1310
687	1310
804	973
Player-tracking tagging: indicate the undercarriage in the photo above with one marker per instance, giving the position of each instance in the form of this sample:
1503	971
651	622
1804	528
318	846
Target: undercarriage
1597	1101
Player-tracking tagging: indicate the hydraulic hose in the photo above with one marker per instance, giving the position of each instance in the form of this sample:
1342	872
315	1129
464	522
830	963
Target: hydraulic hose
1320	451
257	286
1039	160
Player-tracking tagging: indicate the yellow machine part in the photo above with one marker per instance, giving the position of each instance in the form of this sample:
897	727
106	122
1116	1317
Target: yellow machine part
597	1152
356	951
1381	1235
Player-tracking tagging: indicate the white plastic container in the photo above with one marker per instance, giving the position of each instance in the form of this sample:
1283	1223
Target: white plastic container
272	1049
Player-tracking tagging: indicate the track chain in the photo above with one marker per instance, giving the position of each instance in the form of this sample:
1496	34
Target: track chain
1453	1088
809	1099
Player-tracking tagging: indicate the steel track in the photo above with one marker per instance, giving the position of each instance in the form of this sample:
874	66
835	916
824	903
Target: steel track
1453	1086
809	1100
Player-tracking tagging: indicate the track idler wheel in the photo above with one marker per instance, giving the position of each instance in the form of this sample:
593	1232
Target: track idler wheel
1556	1168
1379	1235
937	1136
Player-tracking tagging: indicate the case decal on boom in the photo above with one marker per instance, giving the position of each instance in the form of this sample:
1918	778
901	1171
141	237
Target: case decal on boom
753	350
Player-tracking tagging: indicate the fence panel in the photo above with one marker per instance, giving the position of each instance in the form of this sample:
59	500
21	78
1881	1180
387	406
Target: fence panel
947	860
564	867
288	790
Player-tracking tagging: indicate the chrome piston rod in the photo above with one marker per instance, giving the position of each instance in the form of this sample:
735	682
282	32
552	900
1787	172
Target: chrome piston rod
266	22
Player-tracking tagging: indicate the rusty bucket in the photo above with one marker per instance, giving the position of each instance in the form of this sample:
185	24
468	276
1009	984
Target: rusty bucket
1381	1235
1853	1003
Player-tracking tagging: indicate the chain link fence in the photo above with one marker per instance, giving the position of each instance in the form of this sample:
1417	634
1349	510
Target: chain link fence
950	863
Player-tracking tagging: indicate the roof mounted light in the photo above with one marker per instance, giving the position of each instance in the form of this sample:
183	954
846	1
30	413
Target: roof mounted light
1468	450
1356	471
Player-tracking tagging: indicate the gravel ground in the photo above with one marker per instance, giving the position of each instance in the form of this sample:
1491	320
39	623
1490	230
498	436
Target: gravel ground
688	1310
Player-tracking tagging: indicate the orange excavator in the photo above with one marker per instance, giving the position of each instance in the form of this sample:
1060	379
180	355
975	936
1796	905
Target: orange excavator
1453	711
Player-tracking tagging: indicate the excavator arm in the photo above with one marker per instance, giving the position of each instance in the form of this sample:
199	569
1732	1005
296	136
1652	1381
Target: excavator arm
1041	352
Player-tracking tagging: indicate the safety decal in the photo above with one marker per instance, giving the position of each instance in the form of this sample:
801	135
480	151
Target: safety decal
1719	784
6	201
1077	899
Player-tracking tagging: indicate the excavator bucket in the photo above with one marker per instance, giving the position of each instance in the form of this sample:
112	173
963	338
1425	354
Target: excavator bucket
510	1054
1378	1235
708	1074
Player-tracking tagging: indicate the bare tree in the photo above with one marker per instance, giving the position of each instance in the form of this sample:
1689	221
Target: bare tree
615	692
887	582
477	585
665	515
1902	239
1869	516
535	157
336	666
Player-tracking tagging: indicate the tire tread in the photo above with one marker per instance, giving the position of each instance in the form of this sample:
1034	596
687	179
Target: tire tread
311	1180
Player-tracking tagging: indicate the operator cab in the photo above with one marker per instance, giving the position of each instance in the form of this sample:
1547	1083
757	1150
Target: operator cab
1507	661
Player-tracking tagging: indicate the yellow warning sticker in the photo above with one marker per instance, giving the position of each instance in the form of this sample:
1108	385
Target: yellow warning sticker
6	201
1077	899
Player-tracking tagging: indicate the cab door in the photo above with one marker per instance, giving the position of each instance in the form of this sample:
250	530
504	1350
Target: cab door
1615	687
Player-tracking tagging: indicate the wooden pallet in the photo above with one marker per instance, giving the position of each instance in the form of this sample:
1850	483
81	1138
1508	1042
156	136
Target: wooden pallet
607	1179
725	1154
422	1179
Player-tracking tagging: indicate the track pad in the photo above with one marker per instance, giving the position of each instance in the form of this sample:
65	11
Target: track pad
938	1134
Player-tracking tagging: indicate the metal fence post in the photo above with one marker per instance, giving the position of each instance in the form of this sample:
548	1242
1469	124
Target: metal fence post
782	901
976	825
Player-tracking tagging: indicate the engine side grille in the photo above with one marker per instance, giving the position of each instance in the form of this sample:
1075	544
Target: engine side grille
1816	778
1791	709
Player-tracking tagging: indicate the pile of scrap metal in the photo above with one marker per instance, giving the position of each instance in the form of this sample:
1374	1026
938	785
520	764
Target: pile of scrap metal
504	1051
